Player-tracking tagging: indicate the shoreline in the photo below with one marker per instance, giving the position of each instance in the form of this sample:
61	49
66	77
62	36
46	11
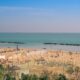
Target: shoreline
31	48
48	47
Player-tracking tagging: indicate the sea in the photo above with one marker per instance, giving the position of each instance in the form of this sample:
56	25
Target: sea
55	41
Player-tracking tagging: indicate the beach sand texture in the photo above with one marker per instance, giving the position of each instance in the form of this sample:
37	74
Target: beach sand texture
39	60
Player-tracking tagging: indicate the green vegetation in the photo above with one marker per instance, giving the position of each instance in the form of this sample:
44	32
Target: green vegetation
9	77
70	70
1	72
33	77
9	73
77	69
59	77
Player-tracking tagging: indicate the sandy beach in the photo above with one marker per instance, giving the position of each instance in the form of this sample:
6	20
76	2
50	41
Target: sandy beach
26	54
37	60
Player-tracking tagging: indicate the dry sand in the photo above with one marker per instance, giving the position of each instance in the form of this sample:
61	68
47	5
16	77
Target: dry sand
23	55
37	60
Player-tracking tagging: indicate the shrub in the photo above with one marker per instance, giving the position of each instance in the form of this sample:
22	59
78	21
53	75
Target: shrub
24	77
34	77
60	77
76	69
9	77
70	70
45	77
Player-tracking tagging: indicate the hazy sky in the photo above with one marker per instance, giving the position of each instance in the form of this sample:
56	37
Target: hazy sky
39	15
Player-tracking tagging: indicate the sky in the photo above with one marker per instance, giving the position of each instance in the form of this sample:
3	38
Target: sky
40	16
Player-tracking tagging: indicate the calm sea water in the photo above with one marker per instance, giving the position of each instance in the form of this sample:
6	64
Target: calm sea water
37	40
